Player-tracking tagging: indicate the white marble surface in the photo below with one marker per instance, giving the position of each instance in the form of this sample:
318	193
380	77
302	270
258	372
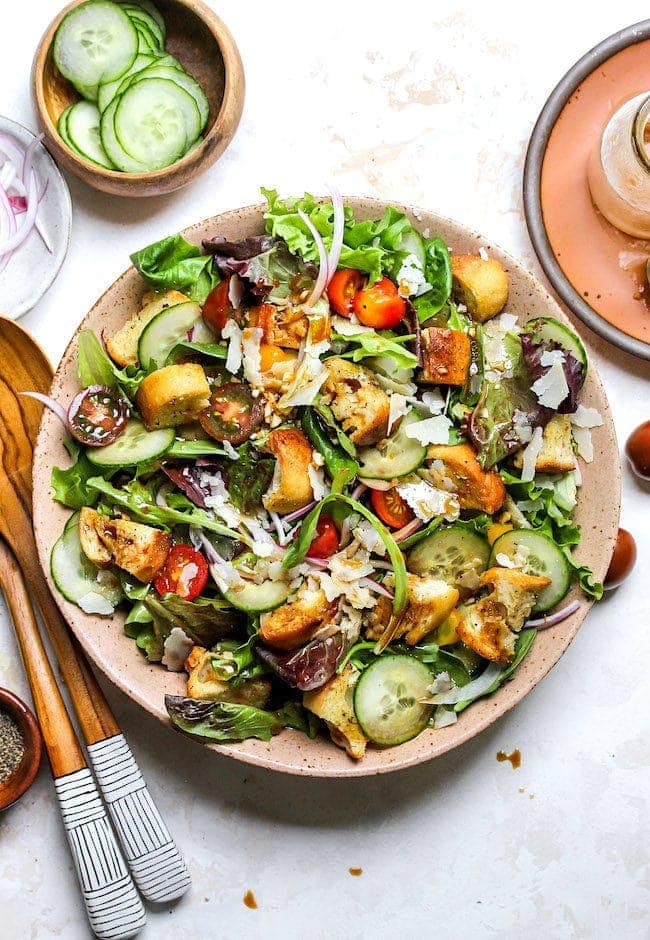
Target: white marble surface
432	108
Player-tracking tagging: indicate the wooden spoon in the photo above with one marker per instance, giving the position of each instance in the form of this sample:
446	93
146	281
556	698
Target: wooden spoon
152	855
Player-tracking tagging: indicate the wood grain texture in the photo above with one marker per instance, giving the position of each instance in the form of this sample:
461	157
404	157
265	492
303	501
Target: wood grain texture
206	49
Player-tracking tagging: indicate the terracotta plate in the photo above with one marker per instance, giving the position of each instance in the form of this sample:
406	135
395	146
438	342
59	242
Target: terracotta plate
291	752
589	262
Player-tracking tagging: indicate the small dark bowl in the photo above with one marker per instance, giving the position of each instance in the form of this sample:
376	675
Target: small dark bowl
23	776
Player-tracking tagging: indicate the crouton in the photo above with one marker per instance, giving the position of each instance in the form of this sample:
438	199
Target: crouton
357	401
122	346
203	683
377	618
173	395
139	549
481	284
288	326
556	454
455	468
446	356
334	703
430	603
290	487
298	621
490	624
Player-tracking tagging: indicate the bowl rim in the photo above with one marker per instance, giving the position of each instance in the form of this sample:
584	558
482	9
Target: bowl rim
501	705
233	76
532	184
17	784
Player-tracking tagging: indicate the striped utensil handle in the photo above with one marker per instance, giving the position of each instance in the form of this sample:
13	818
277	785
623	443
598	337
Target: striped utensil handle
114	907
152	855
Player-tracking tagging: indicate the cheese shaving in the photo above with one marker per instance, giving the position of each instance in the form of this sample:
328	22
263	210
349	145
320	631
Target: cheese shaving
235	352
551	388
430	431
530	455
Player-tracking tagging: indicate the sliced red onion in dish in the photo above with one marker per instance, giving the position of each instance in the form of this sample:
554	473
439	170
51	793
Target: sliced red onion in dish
409	529
321	280
377	587
553	619
50	403
299	513
337	232
20	195
317	562
358	491
236	291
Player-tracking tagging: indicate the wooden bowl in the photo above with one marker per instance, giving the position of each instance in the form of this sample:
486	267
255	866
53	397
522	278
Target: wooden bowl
115	654
206	49
23	776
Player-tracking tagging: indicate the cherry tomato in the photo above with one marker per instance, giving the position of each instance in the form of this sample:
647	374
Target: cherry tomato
344	285
184	573
326	539
218	309
271	355
98	415
623	560
233	413
391	508
380	305
638	450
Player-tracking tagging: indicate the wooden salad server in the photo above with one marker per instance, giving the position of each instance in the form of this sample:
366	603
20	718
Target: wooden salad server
152	855
113	905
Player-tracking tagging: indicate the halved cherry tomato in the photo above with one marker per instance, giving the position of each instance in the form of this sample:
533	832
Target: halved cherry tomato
233	413
623	560
184	573
391	508
218	309
326	539
98	415
344	285
380	305
271	355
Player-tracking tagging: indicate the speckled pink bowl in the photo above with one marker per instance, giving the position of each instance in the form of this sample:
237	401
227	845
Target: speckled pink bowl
291	752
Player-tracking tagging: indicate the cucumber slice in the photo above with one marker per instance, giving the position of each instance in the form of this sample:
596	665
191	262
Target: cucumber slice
449	554
149	8
542	557
551	330
107	91
94	43
189	84
95	591
388	699
147	41
257	598
134	446
394	457
156	121
62	126
82	128
114	150
140	17
165	331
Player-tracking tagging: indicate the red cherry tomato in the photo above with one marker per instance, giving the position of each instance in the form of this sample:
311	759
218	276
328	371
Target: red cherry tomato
98	415
638	450
326	539
344	285
184	573
380	305
233	414
217	309
623	560
391	508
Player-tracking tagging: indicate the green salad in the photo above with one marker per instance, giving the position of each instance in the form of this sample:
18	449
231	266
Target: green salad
324	472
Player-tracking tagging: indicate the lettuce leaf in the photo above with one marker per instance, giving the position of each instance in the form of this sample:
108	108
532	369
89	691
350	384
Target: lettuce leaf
225	721
522	648
94	367
69	485
204	620
437	270
379	344
174	264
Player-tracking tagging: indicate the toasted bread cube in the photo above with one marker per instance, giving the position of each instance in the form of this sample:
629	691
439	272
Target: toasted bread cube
334	703
290	487
481	284
173	395
139	549
490	625
287	327
357	401
203	683
430	603
122	346
376	620
296	622
446	356
556	454
461	473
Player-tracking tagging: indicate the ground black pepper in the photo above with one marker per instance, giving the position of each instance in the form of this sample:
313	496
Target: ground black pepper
12	746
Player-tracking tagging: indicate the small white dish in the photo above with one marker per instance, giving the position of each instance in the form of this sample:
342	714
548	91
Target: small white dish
32	268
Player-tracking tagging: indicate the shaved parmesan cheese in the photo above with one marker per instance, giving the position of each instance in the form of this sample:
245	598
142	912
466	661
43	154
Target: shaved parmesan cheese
176	649
586	417
251	339
434	401
551	388
441	683
367	536
309	376
430	431
426	501
235	352
317	479
504	561
582	437
549	356
351	327
530	455
397	410
483	253
230	450
410	278
521	427
218	498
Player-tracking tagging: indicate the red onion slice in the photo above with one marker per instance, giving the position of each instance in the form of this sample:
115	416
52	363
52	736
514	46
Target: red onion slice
19	236
377	587
321	280
298	513
50	403
337	232
409	529
553	619
358	491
